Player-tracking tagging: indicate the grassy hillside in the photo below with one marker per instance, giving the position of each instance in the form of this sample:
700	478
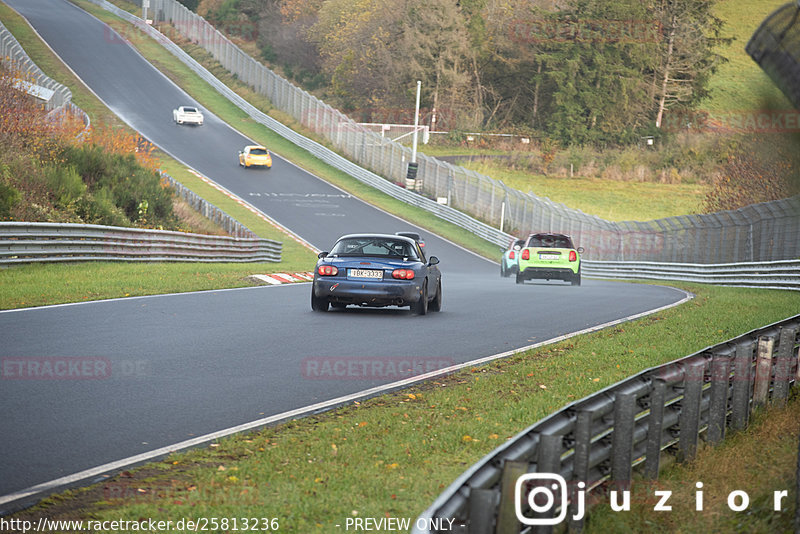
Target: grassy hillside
740	84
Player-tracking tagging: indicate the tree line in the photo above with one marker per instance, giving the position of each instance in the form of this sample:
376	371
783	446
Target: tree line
577	71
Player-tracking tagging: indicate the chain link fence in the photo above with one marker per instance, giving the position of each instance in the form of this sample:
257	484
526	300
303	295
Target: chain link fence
761	232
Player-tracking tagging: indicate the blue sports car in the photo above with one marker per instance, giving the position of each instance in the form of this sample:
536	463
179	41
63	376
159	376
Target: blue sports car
377	270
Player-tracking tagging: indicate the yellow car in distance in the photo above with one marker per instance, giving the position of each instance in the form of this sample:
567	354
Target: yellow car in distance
255	155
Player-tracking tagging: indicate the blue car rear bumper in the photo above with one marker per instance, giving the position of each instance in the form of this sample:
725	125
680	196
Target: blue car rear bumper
367	293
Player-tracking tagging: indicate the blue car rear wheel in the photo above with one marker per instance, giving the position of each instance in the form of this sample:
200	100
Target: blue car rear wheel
421	306
436	303
318	304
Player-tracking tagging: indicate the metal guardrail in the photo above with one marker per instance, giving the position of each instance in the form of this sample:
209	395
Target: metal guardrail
27	242
597	441
208	210
767	275
12	53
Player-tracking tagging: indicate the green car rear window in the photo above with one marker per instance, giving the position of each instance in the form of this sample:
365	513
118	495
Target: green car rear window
550	242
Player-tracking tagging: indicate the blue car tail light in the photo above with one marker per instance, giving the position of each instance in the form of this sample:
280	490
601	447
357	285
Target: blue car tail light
403	274
327	270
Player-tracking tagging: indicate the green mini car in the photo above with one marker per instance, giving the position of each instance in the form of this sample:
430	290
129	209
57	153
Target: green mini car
550	257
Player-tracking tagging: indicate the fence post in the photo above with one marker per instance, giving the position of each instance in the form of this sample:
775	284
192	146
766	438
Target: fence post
655	425
797	363
718	408
622	440
580	463
766	345
742	383
689	420
783	365
549	461
481	511
507	522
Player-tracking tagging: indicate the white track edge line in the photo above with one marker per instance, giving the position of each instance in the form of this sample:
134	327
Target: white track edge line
307	410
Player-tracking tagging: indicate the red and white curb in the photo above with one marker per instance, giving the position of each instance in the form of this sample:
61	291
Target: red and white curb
284	278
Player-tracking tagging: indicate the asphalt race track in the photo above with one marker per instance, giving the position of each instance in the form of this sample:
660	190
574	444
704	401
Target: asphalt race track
149	372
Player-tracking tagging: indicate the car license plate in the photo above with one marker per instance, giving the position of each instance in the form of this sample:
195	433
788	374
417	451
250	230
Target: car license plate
365	273
549	256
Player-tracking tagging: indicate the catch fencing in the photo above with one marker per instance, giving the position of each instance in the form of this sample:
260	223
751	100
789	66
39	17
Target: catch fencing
598	440
28	242
14	57
763	232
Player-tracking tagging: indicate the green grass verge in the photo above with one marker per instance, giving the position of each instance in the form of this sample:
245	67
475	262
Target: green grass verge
393	455
613	200
44	284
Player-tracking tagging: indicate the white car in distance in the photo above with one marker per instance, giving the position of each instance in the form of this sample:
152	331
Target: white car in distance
187	115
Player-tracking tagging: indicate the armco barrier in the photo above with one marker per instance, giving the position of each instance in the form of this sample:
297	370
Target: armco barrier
13	55
26	242
763	232
208	210
768	275
599	440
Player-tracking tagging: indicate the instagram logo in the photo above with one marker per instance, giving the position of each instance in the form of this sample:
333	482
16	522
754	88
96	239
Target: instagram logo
542	493
541	497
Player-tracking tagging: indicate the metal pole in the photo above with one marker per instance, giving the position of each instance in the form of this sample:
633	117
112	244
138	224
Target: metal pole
411	174
416	125
502	214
